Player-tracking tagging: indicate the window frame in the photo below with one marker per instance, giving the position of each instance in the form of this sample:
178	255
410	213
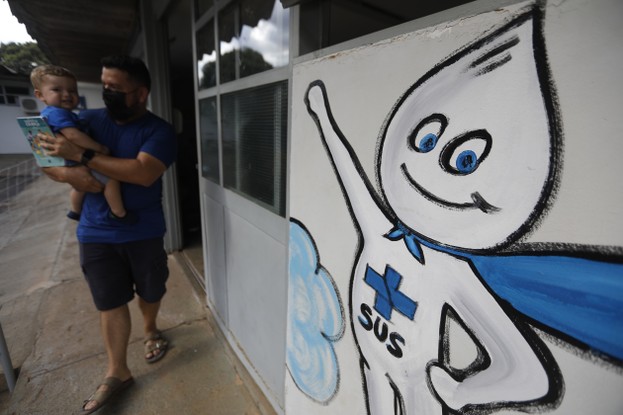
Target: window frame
270	76
279	137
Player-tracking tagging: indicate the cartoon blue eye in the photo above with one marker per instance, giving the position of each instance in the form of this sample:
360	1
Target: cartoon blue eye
466	162
463	154
425	136
428	143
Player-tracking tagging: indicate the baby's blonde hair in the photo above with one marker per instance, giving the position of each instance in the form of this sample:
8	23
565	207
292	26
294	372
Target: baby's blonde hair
37	74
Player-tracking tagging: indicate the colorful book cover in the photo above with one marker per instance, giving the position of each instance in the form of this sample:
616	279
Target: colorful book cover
30	127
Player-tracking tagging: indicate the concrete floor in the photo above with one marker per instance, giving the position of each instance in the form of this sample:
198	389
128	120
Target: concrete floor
53	336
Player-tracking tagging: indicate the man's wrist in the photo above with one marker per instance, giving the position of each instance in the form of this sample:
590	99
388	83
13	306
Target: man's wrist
87	156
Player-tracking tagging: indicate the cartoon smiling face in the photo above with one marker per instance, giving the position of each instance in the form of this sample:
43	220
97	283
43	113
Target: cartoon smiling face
466	156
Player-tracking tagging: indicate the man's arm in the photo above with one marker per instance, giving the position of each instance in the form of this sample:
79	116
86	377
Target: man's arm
144	170
78	177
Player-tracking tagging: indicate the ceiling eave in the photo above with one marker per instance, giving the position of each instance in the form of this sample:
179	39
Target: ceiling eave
77	35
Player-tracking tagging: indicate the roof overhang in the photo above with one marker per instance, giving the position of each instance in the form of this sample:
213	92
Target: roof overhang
77	35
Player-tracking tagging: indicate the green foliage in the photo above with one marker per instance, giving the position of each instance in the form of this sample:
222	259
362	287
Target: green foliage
21	57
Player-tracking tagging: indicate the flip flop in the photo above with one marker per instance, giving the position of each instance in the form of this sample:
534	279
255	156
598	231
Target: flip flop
115	385
153	343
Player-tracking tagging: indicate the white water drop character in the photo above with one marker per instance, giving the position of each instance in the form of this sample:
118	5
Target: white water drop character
467	162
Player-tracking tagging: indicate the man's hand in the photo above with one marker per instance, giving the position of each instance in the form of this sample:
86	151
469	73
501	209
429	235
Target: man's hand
60	146
78	177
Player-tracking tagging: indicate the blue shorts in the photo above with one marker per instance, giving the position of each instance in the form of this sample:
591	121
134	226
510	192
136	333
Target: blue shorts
115	272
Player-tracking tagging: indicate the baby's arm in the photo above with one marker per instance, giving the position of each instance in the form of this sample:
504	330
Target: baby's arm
79	138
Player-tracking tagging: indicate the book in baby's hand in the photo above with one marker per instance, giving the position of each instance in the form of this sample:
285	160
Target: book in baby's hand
30	127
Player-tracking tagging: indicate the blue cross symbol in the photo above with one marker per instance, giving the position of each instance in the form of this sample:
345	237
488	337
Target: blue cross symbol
388	296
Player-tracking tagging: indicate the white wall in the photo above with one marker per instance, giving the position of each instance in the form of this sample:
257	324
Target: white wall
555	360
92	92
245	265
11	139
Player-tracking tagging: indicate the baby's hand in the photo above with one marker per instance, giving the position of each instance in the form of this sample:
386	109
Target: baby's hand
105	151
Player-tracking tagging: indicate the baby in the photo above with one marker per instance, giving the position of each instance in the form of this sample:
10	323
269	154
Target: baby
57	88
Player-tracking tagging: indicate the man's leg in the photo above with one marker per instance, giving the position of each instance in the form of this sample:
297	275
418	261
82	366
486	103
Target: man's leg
150	272
150	315
115	325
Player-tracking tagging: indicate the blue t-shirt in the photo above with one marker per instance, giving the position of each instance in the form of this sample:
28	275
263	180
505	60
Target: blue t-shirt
59	118
149	134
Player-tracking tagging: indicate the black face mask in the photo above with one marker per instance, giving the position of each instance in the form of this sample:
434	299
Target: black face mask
115	103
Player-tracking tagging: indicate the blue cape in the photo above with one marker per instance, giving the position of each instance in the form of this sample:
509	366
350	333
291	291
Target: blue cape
578	297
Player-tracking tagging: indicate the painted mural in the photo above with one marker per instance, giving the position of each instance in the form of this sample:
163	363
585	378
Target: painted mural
451	310
316	320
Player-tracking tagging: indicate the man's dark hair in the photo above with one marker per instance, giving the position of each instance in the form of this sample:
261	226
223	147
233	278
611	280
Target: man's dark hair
134	67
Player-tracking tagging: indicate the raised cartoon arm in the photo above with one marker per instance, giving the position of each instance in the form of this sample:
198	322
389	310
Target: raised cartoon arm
359	193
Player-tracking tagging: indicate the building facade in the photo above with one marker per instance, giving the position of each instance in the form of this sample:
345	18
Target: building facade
401	209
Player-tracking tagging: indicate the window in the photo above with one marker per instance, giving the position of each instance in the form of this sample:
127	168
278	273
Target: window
325	23
253	37
17	90
210	168
201	6
243	125
254	123
206	56
9	95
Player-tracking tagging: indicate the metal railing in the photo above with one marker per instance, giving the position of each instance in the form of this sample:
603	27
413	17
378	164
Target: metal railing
21	187
13	180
